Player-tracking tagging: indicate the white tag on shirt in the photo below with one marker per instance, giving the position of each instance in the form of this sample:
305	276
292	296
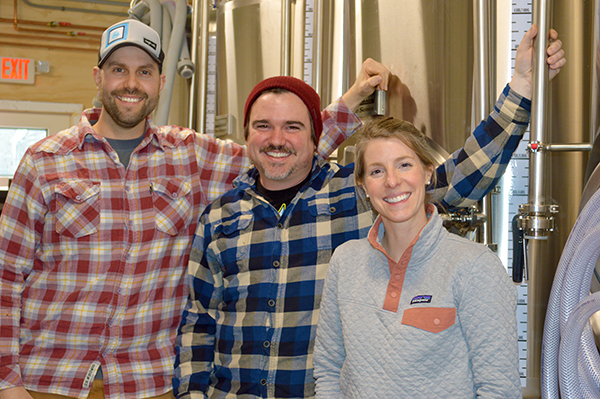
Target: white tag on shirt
91	374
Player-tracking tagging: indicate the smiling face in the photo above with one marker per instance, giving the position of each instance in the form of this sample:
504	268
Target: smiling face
129	84
395	180
279	140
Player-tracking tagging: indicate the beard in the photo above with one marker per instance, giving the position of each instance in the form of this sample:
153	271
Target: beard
279	172
126	119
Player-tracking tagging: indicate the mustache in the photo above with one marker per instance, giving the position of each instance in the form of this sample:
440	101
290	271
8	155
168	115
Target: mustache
137	93
278	148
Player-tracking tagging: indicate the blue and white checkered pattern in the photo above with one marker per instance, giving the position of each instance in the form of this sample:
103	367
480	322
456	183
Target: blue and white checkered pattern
256	278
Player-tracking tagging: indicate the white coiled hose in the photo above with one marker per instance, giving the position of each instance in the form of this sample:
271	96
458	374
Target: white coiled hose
569	355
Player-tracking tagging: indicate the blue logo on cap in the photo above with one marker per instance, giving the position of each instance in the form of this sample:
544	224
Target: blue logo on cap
117	33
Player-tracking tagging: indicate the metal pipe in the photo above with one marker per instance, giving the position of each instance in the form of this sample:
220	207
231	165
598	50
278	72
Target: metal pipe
539	102
569	147
200	33
286	26
317	55
484	27
82	10
161	115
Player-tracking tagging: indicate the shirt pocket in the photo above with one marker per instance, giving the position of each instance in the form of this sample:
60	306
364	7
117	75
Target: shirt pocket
332	221
433	320
76	208
172	208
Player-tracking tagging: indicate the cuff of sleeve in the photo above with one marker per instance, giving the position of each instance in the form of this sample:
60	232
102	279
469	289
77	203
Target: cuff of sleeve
513	106
338	113
10	376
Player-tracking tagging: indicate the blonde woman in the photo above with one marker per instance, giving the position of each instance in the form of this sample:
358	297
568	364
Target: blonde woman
413	311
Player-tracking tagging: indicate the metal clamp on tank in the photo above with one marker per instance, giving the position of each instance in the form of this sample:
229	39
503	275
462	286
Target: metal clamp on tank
463	221
537	221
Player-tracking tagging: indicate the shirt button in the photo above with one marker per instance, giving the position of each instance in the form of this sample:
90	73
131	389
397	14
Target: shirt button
436	322
332	209
174	195
78	198
397	277
263	382
276	263
271	302
394	294
266	344
279	226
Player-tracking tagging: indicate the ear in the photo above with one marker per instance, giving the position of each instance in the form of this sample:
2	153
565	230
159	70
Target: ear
428	174
162	81
96	72
361	185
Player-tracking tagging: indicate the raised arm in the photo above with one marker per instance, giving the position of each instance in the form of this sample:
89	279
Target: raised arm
474	170
339	120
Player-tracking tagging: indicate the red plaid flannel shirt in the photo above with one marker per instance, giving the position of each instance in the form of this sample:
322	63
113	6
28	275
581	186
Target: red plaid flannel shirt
93	255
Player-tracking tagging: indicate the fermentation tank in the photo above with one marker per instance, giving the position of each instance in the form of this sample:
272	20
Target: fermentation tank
450	60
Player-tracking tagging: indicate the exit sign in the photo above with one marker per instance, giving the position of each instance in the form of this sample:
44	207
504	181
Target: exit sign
17	70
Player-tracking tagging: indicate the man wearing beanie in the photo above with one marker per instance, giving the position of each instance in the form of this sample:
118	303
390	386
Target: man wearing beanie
261	251
96	231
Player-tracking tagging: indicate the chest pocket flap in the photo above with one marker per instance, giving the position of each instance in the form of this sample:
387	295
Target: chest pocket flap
433	320
75	208
325	205
172	206
234	224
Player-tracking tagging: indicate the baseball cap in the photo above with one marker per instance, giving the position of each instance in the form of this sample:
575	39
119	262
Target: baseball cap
307	94
130	33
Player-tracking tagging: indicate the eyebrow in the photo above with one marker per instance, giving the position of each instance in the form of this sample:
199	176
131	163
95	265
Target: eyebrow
398	159
149	65
292	122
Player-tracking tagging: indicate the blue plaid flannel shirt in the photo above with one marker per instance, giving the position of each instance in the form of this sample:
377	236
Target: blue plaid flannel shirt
256	277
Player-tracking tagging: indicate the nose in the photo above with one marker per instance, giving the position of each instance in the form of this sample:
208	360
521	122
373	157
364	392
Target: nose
277	137
392	179
131	82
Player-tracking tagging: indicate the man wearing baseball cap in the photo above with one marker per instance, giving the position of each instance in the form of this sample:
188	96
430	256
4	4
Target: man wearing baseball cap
96	231
261	251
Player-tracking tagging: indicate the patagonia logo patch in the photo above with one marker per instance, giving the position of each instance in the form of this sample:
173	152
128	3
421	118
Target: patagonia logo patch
421	299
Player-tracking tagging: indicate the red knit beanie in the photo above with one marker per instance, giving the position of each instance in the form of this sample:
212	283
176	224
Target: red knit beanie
307	94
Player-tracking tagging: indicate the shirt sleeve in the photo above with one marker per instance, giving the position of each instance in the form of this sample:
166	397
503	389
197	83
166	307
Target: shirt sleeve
196	337
221	162
487	313
21	225
474	170
339	123
329	352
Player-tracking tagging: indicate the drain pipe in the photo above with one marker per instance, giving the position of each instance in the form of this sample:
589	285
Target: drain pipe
161	115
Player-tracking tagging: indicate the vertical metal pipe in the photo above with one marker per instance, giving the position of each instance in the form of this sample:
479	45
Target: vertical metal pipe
200	31
286	28
537	159
539	281
317	55
484	84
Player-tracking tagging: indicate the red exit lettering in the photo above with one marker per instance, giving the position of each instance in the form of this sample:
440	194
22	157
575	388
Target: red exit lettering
14	68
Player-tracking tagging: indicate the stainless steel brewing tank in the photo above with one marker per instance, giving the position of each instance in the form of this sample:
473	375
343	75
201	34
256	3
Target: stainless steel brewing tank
429	47
256	39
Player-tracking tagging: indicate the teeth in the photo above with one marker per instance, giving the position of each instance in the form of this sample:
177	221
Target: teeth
278	154
399	198
130	100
